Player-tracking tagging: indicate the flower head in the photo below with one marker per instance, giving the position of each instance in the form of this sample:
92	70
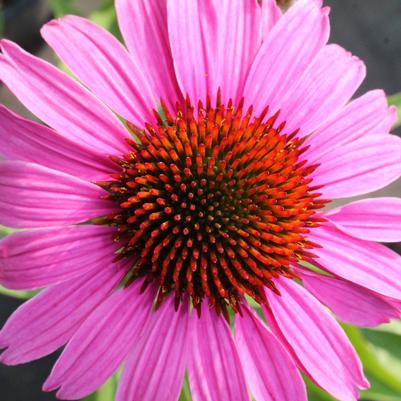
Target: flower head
190	178
213	207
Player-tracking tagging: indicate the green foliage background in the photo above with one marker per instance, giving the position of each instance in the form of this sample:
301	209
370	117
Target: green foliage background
379	348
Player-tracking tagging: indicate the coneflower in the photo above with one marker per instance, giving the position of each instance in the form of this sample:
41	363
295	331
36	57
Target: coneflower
185	180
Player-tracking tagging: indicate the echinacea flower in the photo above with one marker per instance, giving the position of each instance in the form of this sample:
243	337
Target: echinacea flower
184	180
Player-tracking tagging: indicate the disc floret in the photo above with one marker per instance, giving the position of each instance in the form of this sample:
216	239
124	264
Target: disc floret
213	204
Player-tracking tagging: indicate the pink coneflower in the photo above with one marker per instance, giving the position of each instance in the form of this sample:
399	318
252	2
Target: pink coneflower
153	227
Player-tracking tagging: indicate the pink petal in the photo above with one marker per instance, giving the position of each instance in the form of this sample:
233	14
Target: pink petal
329	83
155	368
367	115
271	13
213	44
375	219
313	336
214	369
350	302
102	342
97	58
35	259
284	56
33	196
29	141
143	25
365	263
395	303
46	322
270	371
362	166
61	102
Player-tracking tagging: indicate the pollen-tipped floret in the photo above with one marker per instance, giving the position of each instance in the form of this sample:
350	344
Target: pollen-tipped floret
214	203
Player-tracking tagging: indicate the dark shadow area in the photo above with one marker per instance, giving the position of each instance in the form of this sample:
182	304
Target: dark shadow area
24	382
22	20
371	30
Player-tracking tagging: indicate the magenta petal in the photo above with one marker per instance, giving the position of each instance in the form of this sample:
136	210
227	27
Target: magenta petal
350	302
270	371
375	219
271	13
35	259
143	24
213	45
359	167
155	368
365	263
214	370
61	102
285	54
47	321
97	58
29	141
366	115
324	88
35	196
314	337
102	342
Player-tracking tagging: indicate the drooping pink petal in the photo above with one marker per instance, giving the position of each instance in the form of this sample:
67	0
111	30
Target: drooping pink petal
316	340
155	368
34	196
350	302
100	345
394	302
325	87
270	371
35	259
46	322
61	102
21	139
214	370
143	25
365	263
213	44
288	51
375	219
270	15
366	115
357	168
99	60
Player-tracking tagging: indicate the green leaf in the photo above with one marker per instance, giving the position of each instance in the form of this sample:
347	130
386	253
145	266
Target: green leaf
379	392
395	100
6	230
185	391
105	16
63	7
392	327
17	294
1	23
376	368
107	392
387	349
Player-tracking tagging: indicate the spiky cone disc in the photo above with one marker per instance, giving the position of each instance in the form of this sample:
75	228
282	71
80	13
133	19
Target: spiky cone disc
214	203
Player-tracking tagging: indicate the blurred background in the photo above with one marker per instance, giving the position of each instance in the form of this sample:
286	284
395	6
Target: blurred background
371	29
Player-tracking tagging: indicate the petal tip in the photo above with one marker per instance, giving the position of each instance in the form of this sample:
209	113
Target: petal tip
49	385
